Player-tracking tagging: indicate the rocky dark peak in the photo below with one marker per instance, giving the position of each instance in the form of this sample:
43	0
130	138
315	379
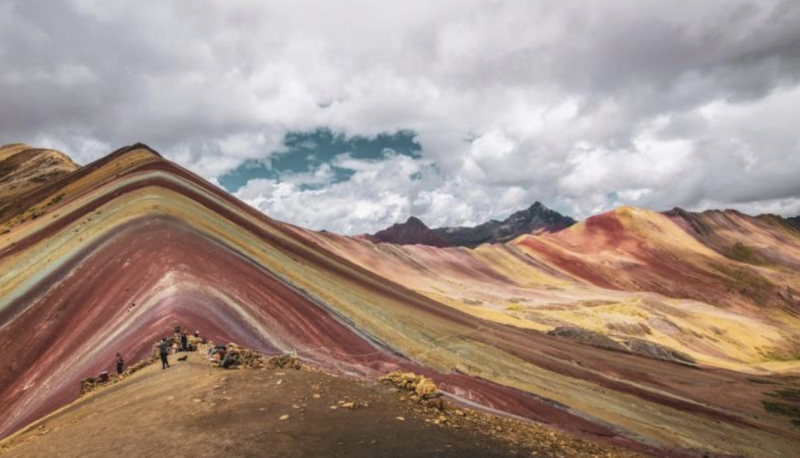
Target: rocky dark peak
536	218
694	220
794	221
413	221
411	232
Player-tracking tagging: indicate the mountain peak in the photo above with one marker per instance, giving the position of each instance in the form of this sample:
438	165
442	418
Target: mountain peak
411	232
534	219
414	221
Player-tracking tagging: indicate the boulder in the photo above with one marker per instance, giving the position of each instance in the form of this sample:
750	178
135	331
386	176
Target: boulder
658	351
587	337
422	387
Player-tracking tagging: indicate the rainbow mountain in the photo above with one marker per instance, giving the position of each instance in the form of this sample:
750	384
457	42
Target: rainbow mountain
667	333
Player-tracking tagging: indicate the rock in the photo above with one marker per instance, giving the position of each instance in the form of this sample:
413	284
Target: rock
349	405
284	362
587	337
422	386
657	351
401	418
283	417
425	388
435	403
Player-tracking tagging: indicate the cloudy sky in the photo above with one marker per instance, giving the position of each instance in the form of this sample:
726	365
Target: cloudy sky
351	115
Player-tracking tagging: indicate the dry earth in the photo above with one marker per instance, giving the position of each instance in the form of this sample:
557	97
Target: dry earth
196	410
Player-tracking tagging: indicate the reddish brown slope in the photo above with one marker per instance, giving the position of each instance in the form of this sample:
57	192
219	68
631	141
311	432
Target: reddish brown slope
637	250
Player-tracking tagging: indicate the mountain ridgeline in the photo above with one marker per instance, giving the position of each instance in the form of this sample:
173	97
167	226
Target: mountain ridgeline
535	219
668	334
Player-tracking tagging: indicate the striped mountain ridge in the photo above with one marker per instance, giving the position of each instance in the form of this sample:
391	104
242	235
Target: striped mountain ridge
126	246
24	169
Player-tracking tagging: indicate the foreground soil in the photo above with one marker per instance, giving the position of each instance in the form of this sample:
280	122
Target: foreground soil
196	410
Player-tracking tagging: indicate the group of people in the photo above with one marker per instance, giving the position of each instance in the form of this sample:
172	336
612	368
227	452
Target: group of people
226	357
164	346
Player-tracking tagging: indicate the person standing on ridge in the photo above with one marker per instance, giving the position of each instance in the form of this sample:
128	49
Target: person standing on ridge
163	352
120	363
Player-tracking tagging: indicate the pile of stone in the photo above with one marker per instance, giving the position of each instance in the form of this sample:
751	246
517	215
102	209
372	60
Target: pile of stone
286	361
90	384
240	357
423	389
244	357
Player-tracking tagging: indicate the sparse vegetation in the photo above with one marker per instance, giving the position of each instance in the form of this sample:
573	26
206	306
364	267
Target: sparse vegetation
780	408
762	381
742	276
744	253
792	394
56	199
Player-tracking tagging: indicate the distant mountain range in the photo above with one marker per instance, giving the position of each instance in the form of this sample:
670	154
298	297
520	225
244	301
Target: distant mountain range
535	219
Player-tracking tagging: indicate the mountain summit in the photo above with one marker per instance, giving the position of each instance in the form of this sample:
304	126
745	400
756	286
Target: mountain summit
535	219
412	232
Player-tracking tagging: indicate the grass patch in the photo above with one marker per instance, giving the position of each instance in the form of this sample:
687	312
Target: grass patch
792	394
779	408
762	381
741	276
56	199
743	253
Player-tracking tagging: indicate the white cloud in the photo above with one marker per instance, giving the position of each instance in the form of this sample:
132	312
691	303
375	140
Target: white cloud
581	104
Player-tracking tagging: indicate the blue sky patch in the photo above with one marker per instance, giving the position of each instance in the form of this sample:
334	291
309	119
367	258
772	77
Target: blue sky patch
306	153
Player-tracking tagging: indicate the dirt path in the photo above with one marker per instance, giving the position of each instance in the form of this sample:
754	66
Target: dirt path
195	410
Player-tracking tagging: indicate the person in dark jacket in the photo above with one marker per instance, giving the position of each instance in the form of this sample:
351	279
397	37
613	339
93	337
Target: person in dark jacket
120	364
184	342
163	352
